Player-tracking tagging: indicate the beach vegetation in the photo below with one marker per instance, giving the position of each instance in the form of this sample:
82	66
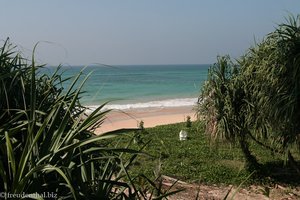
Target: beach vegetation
47	143
201	160
256	98
188	123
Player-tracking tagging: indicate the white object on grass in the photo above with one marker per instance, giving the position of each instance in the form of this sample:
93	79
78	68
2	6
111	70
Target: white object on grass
183	135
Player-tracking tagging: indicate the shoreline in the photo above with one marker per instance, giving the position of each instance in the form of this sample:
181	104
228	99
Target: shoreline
152	116
150	104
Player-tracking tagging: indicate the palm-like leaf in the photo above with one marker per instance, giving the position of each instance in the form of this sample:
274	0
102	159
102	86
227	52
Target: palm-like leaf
262	100
36	133
46	143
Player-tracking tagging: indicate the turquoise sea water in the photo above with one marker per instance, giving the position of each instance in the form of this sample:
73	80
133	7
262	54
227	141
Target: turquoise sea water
141	85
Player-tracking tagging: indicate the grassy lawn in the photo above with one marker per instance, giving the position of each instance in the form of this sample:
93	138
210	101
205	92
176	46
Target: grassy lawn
196	159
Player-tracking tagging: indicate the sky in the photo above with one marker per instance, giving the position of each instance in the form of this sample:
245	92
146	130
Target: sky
113	32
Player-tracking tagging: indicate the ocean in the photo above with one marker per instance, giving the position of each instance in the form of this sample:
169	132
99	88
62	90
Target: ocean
140	86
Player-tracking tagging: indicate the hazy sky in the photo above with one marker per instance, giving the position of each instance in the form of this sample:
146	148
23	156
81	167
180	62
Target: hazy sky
139	31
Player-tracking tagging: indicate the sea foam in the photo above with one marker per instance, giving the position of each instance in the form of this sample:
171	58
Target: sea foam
151	104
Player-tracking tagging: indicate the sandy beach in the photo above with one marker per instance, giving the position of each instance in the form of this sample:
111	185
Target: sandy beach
151	117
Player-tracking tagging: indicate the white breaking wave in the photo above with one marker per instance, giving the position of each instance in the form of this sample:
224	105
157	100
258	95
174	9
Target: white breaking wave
151	104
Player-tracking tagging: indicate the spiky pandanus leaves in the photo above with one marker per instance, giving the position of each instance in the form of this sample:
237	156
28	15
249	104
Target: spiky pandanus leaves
224	106
262	100
45	139
212	100
272	69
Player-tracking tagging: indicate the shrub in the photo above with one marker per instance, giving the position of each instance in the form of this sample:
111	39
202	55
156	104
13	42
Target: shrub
258	98
46	143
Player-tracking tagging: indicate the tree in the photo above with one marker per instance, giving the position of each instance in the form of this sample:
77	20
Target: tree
258	98
224	106
271	71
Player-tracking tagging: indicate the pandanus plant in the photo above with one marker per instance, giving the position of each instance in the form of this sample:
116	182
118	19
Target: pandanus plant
271	70
258	97
46	143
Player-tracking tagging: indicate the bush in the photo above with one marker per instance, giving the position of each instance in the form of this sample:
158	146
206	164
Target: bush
258	98
46	143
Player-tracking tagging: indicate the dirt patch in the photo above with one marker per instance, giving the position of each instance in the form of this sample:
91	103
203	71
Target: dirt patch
214	192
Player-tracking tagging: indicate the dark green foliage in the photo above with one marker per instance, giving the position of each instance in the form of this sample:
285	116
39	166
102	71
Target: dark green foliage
259	99
188	122
271	70
224	106
46	143
271	74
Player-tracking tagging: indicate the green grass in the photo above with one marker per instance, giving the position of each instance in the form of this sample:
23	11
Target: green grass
196	159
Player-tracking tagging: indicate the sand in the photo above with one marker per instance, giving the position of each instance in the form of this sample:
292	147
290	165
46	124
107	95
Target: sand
151	117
